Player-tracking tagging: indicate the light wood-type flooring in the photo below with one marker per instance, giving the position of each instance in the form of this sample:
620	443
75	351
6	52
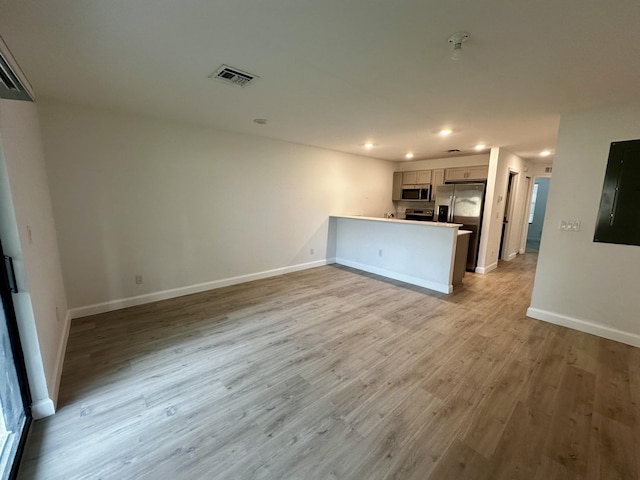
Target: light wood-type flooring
331	373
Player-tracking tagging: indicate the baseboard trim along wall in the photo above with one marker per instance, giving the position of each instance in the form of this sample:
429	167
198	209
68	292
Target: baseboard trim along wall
112	305
42	409
62	348
585	326
438	287
487	269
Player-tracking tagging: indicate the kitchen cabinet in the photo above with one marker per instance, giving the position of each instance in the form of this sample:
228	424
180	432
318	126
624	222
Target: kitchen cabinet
409	178
397	186
437	177
416	177
466	173
424	176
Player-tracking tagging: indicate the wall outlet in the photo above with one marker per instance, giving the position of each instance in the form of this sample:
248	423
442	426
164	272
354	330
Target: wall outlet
139	280
311	251
380	252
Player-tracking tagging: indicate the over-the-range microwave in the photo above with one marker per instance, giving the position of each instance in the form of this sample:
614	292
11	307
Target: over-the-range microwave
416	193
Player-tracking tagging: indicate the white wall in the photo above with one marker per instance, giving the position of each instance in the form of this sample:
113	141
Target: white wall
190	208
581	284
29	235
448	162
538	169
501	163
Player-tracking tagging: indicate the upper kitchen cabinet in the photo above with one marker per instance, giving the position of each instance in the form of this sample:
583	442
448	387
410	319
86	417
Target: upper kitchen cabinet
437	177
424	176
466	173
416	177
397	186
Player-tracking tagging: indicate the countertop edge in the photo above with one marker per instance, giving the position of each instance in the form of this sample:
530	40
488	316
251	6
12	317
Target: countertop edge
400	221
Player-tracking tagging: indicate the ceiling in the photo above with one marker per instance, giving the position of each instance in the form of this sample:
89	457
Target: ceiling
338	73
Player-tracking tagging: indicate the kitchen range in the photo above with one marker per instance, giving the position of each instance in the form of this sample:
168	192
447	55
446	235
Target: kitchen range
419	214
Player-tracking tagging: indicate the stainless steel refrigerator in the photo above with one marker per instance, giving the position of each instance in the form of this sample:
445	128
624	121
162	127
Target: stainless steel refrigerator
463	203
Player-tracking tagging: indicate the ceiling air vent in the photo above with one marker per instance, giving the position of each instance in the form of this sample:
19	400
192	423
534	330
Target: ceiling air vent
10	86
233	76
453	150
548	169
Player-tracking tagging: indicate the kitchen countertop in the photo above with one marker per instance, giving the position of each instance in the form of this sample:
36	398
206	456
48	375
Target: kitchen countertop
400	220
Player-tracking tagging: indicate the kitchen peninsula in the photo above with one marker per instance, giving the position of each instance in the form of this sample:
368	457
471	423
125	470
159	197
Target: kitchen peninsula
427	254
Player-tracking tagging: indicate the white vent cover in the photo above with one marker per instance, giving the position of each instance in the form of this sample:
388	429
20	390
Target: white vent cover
548	169
10	86
232	75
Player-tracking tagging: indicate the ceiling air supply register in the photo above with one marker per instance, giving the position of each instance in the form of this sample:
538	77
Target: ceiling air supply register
10	86
233	76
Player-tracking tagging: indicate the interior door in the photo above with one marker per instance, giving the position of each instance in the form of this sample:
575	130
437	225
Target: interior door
14	398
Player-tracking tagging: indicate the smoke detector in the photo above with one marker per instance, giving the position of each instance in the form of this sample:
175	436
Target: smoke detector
233	76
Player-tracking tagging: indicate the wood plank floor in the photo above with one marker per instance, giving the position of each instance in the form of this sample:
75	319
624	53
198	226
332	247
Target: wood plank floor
332	373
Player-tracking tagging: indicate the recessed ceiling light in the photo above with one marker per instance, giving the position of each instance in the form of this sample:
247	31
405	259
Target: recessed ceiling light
260	121
480	146
445	131
368	146
545	153
409	156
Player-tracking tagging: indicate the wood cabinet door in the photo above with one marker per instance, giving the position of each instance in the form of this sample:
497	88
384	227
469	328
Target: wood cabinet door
397	186
453	174
478	173
424	176
437	177
409	178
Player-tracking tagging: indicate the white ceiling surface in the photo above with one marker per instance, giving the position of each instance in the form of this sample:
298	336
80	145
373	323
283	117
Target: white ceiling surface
338	73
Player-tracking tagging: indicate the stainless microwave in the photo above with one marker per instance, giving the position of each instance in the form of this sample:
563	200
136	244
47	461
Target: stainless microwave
416	193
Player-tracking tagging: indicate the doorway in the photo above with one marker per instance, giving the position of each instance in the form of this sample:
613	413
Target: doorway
508	209
539	196
15	417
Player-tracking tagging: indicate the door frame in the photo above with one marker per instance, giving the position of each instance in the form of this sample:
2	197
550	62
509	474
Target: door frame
6	297
525	220
511	194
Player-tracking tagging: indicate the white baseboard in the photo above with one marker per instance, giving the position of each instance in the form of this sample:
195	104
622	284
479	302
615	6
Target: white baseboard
629	338
438	287
511	256
42	409
487	269
521	251
112	305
